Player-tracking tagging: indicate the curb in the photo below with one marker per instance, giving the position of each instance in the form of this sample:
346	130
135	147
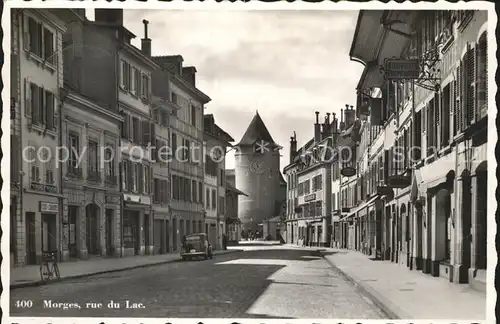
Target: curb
147	265
381	302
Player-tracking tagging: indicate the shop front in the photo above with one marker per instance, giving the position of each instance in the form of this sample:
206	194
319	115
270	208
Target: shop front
137	227
41	229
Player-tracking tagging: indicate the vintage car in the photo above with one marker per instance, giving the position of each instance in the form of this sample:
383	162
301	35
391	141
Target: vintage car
196	246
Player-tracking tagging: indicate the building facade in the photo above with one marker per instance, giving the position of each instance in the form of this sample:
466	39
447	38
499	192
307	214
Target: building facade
257	174
309	205
233	223
430	210
186	145
216	142
36	80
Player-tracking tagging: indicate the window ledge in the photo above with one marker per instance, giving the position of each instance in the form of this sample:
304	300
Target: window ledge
42	130
444	151
40	61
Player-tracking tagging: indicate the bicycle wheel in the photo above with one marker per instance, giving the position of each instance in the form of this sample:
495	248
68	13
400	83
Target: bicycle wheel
44	272
55	269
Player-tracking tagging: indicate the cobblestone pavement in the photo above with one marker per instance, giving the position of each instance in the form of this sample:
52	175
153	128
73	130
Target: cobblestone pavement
254	284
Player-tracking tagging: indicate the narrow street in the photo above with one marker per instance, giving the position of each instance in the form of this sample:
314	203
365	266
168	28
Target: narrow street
266	283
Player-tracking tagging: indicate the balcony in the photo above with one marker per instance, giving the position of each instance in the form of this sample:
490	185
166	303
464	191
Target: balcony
110	180
43	187
93	175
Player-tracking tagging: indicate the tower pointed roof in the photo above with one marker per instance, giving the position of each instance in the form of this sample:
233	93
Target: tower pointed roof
256	131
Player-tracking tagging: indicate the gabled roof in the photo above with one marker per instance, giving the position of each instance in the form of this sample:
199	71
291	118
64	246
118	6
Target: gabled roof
256	131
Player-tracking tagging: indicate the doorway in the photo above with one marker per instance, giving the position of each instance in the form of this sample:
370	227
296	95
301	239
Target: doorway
167	236
72	219
109	232
30	238
174	234
158	236
146	234
49	229
92	229
481	218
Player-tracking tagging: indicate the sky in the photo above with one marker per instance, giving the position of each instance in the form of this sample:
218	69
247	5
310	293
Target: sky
285	64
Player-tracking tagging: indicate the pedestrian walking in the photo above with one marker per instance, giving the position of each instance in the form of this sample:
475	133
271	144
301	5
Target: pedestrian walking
224	242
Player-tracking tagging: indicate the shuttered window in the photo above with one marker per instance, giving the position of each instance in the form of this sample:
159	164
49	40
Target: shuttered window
456	105
470	86
482	77
14	158
445	115
437	122
461	96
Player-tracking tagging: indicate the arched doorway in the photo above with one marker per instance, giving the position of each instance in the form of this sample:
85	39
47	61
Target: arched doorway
409	234
481	215
419	234
466	219
403	234
92	228
174	234
442	239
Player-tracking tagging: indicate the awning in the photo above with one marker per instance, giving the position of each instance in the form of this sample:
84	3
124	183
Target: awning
430	176
360	207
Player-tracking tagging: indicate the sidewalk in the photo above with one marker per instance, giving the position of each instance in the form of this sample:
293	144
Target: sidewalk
407	294
30	275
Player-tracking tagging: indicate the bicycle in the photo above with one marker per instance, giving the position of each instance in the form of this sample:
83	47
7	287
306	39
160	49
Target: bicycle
49	268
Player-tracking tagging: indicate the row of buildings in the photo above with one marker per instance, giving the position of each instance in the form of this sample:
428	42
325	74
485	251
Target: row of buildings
407	179
115	190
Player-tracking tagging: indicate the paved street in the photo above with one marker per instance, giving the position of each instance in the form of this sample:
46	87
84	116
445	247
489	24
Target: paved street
275	283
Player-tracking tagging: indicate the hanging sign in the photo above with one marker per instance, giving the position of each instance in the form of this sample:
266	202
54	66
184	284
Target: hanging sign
398	69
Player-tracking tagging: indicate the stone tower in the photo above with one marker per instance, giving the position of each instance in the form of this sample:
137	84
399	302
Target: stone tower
257	173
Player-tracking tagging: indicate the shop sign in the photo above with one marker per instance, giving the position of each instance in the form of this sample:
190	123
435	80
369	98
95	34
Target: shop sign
398	69
310	197
348	171
46	207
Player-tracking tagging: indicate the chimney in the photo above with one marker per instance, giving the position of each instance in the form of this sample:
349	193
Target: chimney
111	16
328	118
342	125
189	74
335	124
146	41
317	130
350	116
293	147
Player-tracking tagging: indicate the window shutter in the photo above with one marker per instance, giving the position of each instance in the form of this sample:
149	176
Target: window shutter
27	98
140	184
453	109
461	93
146	132
130	175
437	124
35	97
376	111
50	110
122	74
125	126
26	33
130	128
14	158
485	65
471	78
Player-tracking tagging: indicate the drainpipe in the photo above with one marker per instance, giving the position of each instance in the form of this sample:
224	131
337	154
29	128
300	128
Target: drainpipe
120	163
21	173
63	93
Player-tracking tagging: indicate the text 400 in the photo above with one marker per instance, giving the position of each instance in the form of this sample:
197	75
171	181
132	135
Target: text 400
24	303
